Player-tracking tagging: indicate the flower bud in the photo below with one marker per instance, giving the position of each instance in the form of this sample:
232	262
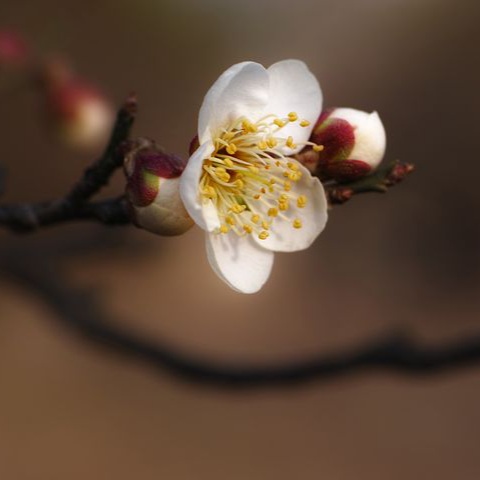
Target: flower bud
13	49
353	144
152	189
80	114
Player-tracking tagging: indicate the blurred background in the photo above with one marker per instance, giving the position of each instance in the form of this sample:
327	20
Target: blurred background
409	260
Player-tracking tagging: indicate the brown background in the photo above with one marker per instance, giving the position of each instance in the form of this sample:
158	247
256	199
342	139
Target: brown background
409	260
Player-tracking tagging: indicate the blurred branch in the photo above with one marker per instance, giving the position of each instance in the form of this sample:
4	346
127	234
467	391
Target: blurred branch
27	217
380	181
80	311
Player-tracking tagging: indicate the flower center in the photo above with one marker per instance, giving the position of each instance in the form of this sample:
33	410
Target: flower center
249	179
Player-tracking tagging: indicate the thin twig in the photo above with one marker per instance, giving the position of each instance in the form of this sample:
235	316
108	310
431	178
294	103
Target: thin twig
99	173
380	181
27	217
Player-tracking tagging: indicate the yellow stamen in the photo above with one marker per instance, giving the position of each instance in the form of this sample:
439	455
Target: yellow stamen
292	116
304	123
318	148
263	235
248	228
279	123
272	212
297	223
237	208
272	142
231	149
224	229
301	201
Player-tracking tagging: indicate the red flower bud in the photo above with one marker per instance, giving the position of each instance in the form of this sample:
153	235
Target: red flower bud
13	49
153	188
79	112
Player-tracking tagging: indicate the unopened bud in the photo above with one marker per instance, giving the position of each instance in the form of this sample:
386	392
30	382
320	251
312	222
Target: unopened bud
353	144
153	178
13	49
81	115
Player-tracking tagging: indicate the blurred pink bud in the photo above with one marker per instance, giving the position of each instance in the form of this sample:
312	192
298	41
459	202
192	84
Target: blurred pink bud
153	188
80	113
352	145
13	49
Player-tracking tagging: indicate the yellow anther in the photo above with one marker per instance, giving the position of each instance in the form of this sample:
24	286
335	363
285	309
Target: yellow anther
224	229
297	223
209	192
287	186
279	123
290	143
248	228
278	163
255	218
304	123
249	127
294	176
253	169
263	235
271	189
301	201
228	162
283	206
237	208
283	197
318	148
231	149
292	116
262	145
257	197
265	225
272	212
293	166
230	220
263	190
228	135
272	181
239	184
272	142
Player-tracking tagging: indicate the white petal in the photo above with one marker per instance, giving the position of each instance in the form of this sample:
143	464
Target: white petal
239	261
370	136
293	88
283	236
242	90
202	215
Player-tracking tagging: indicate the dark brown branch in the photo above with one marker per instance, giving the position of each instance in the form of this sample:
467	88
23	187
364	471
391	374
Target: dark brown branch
23	218
99	173
75	205
79	311
380	181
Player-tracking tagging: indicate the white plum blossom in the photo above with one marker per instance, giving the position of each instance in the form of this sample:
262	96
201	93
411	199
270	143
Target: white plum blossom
242	184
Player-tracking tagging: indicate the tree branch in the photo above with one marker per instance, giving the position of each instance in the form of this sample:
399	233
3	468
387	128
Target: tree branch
27	217
23	218
379	182
79	311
